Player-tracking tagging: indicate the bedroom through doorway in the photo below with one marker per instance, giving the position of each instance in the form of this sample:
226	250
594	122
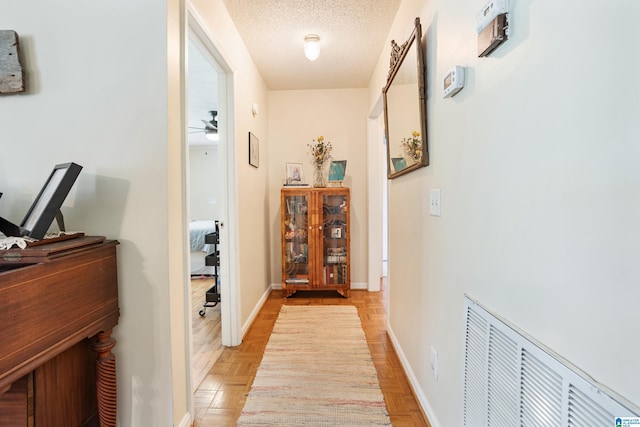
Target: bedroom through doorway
206	207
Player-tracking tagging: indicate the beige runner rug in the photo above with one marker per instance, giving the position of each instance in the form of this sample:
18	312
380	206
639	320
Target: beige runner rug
316	371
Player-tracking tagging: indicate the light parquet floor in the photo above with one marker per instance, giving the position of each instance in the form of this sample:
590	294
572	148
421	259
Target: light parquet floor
223	392
206	335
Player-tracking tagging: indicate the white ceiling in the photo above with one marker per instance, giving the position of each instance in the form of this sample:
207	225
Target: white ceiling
352	38
202	83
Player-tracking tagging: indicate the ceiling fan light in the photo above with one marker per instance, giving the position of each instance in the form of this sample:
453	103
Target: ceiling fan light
211	126
312	47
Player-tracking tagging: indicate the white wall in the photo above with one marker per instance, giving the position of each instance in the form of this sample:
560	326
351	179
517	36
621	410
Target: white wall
204	184
105	92
298	117
536	160
97	79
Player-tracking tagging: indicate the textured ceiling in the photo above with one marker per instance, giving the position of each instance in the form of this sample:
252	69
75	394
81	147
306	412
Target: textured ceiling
352	37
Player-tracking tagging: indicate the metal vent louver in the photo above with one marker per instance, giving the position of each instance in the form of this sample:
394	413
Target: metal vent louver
510	380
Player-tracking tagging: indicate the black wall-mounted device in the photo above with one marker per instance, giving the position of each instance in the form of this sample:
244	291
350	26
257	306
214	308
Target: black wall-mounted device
493	35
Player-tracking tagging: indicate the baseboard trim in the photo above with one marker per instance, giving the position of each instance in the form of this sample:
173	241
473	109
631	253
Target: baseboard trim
256	310
359	286
417	390
186	421
354	285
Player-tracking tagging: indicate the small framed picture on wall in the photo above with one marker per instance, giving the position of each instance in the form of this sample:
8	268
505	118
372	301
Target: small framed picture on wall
254	150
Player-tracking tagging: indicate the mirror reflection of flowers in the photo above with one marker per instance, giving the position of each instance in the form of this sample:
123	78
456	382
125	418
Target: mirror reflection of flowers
320	152
413	146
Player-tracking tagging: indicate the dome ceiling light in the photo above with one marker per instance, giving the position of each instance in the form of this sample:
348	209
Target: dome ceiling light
312	47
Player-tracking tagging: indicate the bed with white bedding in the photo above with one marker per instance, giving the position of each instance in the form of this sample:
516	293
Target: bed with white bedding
197	231
199	249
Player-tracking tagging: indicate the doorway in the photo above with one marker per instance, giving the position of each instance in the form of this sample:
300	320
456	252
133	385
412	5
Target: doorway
205	208
210	198
378	198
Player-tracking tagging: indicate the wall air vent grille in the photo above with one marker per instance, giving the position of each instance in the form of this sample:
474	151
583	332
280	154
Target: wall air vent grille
510	380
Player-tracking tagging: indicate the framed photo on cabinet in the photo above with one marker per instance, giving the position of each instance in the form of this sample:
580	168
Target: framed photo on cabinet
295	174
47	205
337	169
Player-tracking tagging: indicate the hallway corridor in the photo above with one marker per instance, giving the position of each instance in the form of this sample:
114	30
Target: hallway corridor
222	394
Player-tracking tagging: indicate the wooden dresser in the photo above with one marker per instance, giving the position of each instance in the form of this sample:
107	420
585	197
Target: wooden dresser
59	304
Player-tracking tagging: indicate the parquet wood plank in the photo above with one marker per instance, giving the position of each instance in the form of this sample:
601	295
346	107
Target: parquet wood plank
206	335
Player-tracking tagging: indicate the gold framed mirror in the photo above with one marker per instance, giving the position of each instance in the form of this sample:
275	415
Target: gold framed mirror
405	107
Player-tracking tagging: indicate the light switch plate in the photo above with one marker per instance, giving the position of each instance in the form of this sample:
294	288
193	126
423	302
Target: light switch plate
434	202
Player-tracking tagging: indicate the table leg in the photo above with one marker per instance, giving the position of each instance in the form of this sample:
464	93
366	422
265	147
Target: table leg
105	378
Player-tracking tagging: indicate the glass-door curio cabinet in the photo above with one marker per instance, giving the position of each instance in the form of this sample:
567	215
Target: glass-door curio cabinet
315	239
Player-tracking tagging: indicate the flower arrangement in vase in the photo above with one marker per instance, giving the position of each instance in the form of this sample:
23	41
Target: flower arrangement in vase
413	146
320	157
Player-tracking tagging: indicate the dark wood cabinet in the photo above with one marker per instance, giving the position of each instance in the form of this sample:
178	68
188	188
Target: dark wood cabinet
60	303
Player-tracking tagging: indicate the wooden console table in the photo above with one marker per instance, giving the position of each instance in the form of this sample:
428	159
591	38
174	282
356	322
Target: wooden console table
59	305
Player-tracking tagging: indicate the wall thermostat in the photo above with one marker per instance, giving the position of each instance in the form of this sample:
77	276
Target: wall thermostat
489	12
453	81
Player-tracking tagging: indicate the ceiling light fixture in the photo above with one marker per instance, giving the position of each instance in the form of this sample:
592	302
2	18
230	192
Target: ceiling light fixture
212	135
312	47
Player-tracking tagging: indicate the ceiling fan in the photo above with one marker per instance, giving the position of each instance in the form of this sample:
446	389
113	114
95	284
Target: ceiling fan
210	128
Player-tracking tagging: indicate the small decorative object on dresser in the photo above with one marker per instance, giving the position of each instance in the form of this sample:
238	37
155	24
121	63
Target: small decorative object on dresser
315	240
47	204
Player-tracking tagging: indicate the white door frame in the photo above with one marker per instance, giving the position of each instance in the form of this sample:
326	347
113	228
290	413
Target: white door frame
231	329
375	154
229	307
231	332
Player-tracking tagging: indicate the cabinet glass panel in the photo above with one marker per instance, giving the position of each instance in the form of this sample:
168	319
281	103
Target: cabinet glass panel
296	239
334	239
